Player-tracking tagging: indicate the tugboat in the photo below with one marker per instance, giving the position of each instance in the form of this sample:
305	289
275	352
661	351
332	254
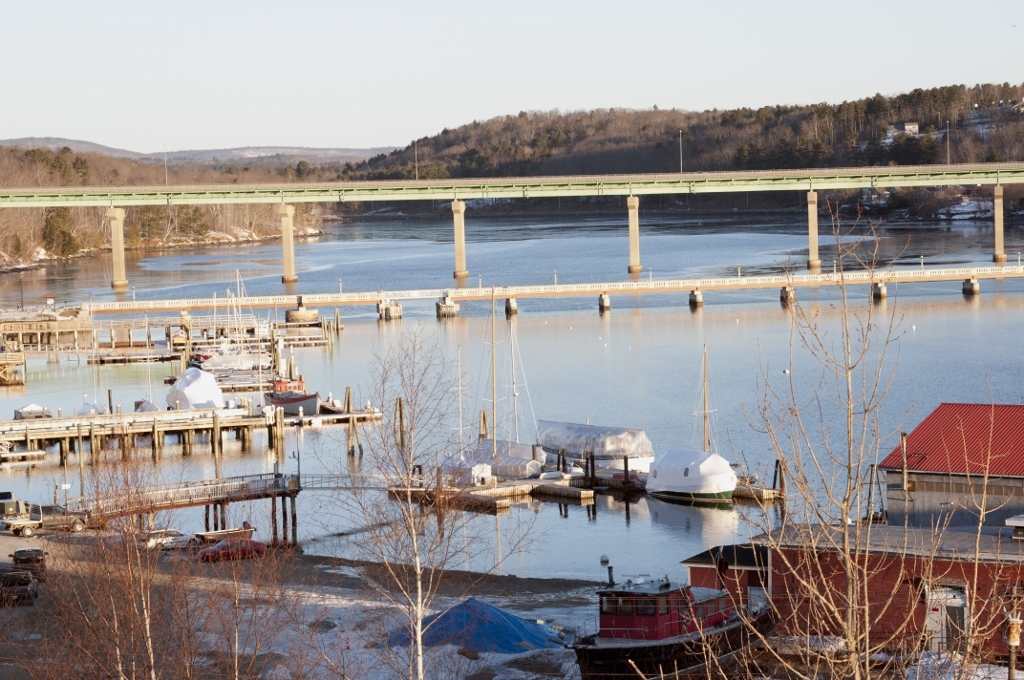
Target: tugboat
662	628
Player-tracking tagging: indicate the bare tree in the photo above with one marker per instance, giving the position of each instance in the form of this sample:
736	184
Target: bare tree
411	532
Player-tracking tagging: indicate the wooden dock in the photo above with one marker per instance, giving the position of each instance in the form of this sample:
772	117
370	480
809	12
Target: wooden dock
12	368
498	497
129	431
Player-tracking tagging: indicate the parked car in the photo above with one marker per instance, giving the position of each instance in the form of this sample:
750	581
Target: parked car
30	559
165	539
17	587
232	549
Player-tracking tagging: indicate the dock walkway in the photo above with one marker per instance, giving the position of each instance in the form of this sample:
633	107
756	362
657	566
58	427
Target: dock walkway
150	499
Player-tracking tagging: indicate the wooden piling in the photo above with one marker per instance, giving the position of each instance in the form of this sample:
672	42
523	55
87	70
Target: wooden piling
158	443
94	447
273	520
215	435
206	517
284	520
295	522
223	515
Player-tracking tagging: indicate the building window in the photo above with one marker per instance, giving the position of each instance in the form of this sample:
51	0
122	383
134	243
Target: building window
607	605
645	606
663	604
686	472
625	606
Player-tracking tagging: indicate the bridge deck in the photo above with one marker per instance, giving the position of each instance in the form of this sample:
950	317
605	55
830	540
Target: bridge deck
813	179
642	286
143	500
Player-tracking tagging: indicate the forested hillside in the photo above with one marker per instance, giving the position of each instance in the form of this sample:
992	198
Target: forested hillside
29	234
985	123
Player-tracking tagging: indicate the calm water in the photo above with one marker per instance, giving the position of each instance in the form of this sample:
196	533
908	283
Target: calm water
637	366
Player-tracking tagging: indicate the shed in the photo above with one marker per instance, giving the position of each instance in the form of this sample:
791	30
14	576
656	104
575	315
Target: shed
955	453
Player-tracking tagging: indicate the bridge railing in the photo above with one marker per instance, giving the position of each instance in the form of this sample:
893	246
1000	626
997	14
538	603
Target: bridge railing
163	496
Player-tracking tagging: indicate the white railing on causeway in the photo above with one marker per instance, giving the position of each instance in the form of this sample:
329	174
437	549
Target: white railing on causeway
167	496
583	289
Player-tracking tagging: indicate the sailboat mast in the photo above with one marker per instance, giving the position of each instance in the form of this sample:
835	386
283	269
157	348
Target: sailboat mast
462	446
515	393
494	384
707	429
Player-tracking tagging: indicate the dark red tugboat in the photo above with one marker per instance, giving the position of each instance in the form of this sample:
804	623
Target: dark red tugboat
666	629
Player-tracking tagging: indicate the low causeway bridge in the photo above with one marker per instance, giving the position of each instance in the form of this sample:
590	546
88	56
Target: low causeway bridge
389	302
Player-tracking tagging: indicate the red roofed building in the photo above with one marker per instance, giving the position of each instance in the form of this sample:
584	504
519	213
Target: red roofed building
958	455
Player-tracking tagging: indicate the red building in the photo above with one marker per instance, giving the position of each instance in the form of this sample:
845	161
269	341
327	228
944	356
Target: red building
917	588
957	455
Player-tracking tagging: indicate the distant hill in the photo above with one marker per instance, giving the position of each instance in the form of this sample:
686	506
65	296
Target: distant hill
986	123
259	155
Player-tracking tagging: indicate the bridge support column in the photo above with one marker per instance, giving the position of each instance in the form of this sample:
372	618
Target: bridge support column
116	218
284	519
813	262
633	208
511	307
972	287
999	256
273	520
878	291
459	217
288	243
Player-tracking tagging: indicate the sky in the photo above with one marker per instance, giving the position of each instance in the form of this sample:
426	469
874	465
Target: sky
155	76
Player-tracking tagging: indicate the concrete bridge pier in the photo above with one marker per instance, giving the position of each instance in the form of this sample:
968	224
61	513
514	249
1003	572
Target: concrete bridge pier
459	216
878	291
696	298
288	243
633	206
999	256
446	308
511	307
972	287
604	302
813	261
116	218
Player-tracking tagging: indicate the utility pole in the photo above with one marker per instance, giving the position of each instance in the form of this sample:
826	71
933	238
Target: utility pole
680	152
166	183
416	156
947	142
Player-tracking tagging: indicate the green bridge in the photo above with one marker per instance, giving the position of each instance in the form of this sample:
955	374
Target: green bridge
115	199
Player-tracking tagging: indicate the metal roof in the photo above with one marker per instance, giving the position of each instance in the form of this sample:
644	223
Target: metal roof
964	439
744	556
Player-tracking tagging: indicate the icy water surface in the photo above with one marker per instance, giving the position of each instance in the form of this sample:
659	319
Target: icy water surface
637	366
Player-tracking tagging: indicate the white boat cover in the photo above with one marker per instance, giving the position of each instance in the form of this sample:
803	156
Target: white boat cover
602	441
465	473
31	409
195	389
87	409
697	472
514	460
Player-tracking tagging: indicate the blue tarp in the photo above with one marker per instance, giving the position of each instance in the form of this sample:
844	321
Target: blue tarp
482	627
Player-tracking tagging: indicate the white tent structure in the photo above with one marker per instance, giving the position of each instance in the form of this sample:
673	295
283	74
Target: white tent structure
608	444
195	389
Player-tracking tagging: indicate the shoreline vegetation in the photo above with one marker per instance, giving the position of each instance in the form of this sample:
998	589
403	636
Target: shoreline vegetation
957	123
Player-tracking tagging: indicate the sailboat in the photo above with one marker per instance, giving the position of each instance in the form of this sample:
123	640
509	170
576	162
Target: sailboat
693	476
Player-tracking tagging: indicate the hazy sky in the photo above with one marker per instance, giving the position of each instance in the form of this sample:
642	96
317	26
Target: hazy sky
219	73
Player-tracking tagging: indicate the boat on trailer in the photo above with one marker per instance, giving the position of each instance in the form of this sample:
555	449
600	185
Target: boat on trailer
665	629
220	535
